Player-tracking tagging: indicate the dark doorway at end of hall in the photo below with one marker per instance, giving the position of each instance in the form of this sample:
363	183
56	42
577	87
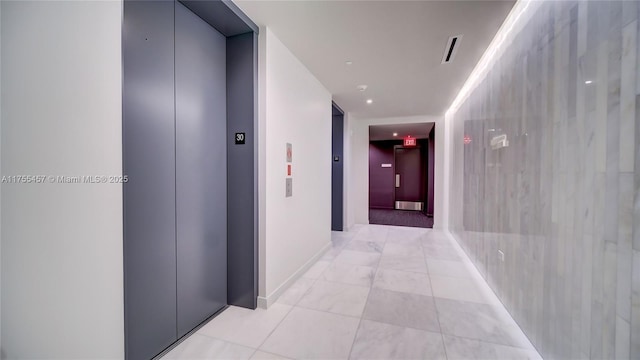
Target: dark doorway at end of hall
401	174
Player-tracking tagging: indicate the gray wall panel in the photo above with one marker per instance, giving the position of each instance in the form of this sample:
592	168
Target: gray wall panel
201	164
148	160
337	170
242	70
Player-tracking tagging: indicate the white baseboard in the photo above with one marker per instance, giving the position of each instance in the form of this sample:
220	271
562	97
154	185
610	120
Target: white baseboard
265	302
348	228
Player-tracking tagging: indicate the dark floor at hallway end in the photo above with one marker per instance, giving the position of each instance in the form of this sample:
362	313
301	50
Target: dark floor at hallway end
400	218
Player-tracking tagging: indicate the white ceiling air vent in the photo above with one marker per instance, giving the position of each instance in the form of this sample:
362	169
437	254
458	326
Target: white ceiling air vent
451	49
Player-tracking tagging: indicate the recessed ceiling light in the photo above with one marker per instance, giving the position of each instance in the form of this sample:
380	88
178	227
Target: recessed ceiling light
588	82
395	134
369	101
349	62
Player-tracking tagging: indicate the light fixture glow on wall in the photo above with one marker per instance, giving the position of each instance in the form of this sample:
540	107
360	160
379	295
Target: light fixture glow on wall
369	101
349	62
395	134
588	82
487	59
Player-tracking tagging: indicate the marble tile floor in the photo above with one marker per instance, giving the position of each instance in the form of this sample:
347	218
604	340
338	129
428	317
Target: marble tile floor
380	292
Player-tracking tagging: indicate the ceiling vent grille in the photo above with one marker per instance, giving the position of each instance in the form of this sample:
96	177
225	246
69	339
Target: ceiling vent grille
451	49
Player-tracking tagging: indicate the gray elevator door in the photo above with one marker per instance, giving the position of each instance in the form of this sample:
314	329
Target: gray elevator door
149	160
201	169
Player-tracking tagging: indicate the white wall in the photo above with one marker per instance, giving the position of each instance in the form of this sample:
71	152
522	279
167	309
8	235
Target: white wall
294	108
358	166
62	287
446	178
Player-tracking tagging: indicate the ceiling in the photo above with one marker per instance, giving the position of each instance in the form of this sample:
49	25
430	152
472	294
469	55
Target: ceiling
396	48
385	132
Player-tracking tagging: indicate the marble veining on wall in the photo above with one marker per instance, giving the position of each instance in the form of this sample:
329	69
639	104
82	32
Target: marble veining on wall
562	200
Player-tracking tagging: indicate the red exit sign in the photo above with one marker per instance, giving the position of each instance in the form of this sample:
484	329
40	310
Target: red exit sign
410	141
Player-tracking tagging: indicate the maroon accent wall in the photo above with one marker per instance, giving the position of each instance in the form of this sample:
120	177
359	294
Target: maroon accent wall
424	155
381	180
431	171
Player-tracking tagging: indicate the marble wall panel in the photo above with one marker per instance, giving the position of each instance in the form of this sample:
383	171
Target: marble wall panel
562	200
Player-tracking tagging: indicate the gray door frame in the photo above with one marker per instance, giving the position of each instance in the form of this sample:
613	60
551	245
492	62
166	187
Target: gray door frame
337	168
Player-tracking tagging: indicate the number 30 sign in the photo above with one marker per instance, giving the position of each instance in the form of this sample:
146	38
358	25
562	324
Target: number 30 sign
240	138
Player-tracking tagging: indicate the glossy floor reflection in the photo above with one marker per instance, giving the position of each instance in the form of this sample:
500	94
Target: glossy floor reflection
381	292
